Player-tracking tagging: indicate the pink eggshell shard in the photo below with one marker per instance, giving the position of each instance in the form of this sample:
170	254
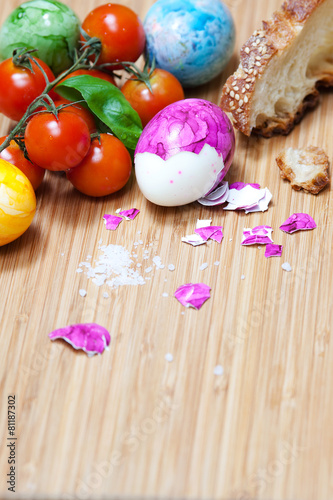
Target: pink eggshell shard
112	221
259	235
273	250
248	197
298	222
89	337
129	214
211	232
193	294
188	125
241	185
216	197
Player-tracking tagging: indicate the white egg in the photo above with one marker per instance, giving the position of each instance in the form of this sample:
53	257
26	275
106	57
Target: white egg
181	179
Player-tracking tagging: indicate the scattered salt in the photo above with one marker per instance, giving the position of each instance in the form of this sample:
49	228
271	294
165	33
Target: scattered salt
286	267
105	295
113	268
203	266
148	269
217	263
168	357
165	294
171	267
82	292
243	277
79	270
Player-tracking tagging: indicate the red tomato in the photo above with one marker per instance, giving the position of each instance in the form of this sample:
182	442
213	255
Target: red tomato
92	72
57	143
81	111
166	90
106	168
14	154
119	29
19	87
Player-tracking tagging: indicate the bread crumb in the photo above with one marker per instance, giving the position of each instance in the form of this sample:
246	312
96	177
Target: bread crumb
305	168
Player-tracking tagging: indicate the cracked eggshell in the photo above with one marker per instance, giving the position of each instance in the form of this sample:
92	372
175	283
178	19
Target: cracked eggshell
184	152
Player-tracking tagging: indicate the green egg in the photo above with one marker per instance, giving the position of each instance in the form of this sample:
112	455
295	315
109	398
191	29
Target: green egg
49	26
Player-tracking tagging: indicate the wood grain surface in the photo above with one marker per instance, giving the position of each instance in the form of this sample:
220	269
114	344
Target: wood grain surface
129	424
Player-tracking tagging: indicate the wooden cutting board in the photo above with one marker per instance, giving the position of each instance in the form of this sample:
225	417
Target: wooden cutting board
129	424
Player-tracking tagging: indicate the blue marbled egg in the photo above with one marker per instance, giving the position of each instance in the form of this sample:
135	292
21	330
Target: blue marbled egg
193	39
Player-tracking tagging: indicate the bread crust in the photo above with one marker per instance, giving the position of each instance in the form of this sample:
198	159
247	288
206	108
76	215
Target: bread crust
315	163
276	35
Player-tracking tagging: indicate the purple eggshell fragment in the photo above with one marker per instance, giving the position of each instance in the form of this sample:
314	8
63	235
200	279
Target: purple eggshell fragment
89	337
259	235
242	185
210	232
298	222
188	125
129	214
193	294
273	250
111	221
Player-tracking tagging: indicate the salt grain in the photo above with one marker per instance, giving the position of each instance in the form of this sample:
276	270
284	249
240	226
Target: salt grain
243	277
203	266
83	292
217	263
171	267
286	267
218	370
168	357
165	294
158	263
148	269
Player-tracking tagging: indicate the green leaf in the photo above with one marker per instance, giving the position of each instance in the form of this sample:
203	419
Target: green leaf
108	103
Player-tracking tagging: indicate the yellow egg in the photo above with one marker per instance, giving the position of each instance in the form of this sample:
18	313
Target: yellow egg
17	202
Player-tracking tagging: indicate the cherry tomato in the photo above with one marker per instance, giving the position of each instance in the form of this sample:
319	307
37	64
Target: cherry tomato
57	143
106	168
20	86
92	72
14	155
119	29
166	90
79	110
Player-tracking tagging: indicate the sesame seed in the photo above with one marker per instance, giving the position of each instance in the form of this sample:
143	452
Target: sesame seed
250	71
227	90
243	90
239	110
264	50
247	86
257	42
231	103
255	72
248	80
247	50
241	103
233	83
258	64
246	99
258	58
232	93
237	97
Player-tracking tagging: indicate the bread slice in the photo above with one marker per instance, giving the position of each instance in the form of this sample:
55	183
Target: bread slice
305	168
281	67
